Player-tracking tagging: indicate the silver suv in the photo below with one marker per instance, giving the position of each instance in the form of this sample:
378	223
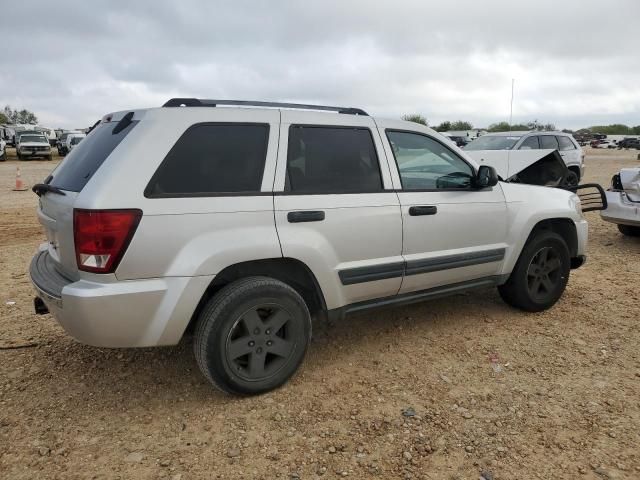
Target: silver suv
239	221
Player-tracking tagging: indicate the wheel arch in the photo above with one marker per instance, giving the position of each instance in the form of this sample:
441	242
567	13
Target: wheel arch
291	271
564	227
575	169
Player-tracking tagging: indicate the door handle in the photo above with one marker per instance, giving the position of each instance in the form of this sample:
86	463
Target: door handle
309	216
423	210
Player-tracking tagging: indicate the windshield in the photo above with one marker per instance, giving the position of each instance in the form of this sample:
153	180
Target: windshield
75	140
32	138
493	142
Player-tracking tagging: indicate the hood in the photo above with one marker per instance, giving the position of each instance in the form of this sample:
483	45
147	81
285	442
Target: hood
535	167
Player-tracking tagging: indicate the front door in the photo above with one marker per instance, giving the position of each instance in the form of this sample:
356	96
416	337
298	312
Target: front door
453	233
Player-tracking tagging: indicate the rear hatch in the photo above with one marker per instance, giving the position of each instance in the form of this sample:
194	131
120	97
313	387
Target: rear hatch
56	204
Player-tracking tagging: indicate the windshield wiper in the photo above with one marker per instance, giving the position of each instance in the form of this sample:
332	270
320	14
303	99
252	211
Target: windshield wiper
42	188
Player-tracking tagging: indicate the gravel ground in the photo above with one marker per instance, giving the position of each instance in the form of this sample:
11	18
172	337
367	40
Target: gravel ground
459	388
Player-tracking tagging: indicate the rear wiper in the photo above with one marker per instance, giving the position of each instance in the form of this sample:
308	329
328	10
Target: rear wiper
42	188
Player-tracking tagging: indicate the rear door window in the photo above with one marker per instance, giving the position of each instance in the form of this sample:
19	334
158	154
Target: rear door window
332	160
565	143
87	157
548	142
212	159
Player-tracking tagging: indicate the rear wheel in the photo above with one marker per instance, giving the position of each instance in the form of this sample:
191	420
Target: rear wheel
540	275
629	230
252	336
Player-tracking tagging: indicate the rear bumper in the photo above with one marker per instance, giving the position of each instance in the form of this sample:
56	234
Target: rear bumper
132	313
621	210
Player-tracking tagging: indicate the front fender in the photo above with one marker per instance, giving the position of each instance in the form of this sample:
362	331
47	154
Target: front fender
527	206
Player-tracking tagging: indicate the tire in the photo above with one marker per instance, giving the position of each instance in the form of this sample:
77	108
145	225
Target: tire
49	157
532	286
629	230
19	156
235	347
572	179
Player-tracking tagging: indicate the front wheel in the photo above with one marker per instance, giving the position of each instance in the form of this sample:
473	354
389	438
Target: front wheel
540	275
252	336
629	230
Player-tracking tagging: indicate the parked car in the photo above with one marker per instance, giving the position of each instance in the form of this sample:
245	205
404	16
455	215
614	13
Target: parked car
623	202
3	145
459	141
629	143
239	224
603	144
32	144
508	163
61	144
51	135
73	139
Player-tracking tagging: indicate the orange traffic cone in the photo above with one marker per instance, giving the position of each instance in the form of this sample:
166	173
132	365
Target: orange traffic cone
20	186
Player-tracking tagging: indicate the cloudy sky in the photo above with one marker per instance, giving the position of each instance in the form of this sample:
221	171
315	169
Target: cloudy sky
576	63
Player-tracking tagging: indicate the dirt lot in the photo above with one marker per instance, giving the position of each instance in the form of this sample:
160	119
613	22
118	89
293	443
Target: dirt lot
496	392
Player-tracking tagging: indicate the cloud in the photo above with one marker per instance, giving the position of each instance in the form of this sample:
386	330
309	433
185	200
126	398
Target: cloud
574	65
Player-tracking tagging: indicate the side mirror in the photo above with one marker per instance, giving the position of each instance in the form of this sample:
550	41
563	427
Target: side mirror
486	177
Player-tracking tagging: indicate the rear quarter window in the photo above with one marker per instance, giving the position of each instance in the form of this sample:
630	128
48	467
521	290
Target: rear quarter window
213	159
565	143
86	158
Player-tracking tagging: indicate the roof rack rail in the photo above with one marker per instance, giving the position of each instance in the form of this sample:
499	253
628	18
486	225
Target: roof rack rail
196	102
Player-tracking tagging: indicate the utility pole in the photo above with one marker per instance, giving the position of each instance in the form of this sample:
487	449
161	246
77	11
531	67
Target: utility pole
513	80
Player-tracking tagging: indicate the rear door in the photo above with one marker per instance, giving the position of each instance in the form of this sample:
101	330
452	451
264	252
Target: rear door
335	207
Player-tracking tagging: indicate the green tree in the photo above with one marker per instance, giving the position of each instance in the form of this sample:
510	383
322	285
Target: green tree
19	116
613	129
444	127
415	117
504	127
460	125
3	118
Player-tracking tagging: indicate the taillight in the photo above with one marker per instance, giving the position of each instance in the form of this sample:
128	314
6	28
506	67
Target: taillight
102	237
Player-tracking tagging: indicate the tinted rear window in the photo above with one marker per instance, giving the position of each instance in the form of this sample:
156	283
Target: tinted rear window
210	159
332	160
87	157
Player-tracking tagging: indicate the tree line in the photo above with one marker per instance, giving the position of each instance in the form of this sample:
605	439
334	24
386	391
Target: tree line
448	126
13	116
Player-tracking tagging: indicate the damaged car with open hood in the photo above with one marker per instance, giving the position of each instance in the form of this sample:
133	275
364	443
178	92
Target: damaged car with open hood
552	159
